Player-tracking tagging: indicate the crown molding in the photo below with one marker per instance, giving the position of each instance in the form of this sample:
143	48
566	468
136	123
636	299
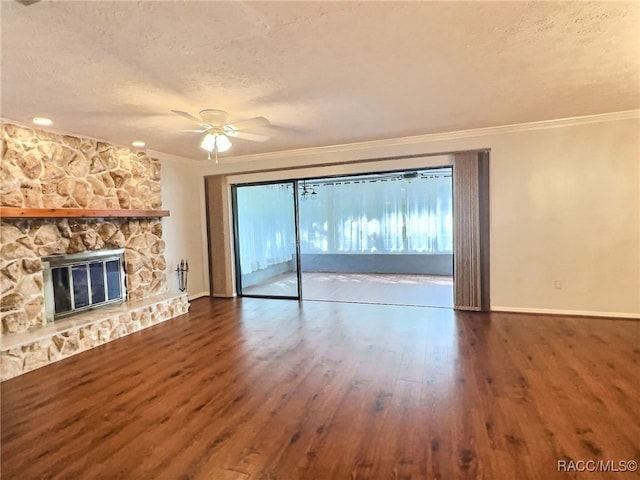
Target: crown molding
436	137
391	143
172	158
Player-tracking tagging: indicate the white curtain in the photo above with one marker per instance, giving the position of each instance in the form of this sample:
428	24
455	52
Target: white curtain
266	228
382	215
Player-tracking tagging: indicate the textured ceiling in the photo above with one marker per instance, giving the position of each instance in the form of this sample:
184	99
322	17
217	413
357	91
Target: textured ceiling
324	73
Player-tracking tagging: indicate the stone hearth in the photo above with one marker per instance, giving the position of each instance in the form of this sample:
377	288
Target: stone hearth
26	351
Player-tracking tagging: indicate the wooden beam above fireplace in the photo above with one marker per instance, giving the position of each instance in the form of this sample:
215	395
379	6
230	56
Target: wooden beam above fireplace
18	212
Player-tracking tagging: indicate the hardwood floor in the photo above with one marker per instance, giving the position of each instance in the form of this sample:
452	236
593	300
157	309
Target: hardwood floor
272	389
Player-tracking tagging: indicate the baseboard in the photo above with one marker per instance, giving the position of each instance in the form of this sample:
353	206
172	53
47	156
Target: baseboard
576	313
195	296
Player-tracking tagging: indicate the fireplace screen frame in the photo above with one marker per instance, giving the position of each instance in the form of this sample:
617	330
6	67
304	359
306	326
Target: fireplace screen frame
76	260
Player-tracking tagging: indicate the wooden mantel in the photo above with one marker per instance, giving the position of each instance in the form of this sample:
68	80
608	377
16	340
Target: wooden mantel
18	212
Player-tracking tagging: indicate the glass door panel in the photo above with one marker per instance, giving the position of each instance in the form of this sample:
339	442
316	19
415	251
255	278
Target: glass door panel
267	261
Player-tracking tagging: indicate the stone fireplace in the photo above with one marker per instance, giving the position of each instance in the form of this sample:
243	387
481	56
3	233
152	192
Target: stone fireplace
46	171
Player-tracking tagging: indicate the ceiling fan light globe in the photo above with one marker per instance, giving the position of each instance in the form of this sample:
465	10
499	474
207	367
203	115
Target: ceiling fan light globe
208	142
223	143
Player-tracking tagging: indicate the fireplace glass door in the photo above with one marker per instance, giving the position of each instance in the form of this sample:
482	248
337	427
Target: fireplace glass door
80	282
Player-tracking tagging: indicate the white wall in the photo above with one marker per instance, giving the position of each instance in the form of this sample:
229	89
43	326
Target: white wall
183	196
565	206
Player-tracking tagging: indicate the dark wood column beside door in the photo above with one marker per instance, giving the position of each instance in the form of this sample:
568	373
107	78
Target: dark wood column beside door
471	231
219	245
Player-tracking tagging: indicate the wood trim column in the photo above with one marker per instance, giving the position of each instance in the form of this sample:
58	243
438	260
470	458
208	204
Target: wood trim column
471	231
219	241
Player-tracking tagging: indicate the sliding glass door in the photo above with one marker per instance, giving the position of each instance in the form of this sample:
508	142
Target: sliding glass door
267	259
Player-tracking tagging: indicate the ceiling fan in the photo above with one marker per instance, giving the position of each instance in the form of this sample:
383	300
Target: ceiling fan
218	130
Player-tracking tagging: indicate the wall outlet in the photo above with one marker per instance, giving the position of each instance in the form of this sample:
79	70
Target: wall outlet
558	284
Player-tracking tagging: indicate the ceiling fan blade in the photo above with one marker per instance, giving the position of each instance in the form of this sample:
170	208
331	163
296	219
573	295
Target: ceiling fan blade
254	137
194	131
250	123
188	116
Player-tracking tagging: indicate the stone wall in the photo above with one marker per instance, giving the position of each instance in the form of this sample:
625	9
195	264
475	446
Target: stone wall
46	170
40	169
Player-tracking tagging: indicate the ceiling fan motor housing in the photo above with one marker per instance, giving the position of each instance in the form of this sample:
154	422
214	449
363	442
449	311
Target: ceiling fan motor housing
215	118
